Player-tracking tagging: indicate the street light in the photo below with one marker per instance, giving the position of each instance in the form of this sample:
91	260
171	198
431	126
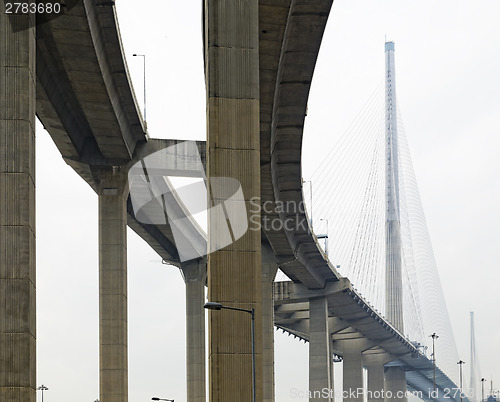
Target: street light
42	388
218	306
434	337
482	389
144	59
155	398
324	236
461	362
311	194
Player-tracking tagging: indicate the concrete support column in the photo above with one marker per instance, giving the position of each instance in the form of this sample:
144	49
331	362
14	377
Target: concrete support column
269	269
233	151
195	274
17	209
320	355
113	358
395	384
375	386
332	365
353	371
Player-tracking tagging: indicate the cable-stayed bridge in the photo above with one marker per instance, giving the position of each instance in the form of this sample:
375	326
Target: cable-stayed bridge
259	73
350	194
349	205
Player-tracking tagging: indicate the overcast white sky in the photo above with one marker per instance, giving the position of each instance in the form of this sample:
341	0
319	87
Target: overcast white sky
447	60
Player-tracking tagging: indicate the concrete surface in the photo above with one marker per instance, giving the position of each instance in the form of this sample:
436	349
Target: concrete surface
17	210
233	150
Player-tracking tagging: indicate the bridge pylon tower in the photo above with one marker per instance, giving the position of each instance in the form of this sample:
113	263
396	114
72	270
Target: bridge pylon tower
395	378
475	393
393	281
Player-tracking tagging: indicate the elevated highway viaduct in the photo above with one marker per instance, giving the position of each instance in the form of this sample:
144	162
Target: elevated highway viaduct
71	72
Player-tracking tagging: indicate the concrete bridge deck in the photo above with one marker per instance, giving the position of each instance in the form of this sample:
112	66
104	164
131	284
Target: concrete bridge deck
85	100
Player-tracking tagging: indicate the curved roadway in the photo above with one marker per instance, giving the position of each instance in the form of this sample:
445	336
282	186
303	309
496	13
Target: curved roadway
86	102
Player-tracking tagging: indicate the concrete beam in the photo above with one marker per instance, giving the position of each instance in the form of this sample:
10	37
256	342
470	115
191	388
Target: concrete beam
290	292
299	328
85	100
306	21
17	209
347	336
168	157
336	324
105	35
291	308
157	202
113	357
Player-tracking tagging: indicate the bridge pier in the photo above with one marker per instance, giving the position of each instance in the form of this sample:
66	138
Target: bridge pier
269	269
233	151
113	358
320	356
17	209
375	384
353	370
194	273
332	368
395	384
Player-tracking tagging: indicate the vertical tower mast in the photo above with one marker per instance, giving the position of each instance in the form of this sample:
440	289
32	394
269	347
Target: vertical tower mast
395	377
393	278
474	391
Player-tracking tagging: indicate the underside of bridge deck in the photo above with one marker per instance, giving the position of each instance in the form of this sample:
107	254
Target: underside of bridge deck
256	114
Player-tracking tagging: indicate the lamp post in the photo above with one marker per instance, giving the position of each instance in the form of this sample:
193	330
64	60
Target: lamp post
155	398
461	362
144	60
218	306
324	236
434	336
482	389
311	194
42	388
